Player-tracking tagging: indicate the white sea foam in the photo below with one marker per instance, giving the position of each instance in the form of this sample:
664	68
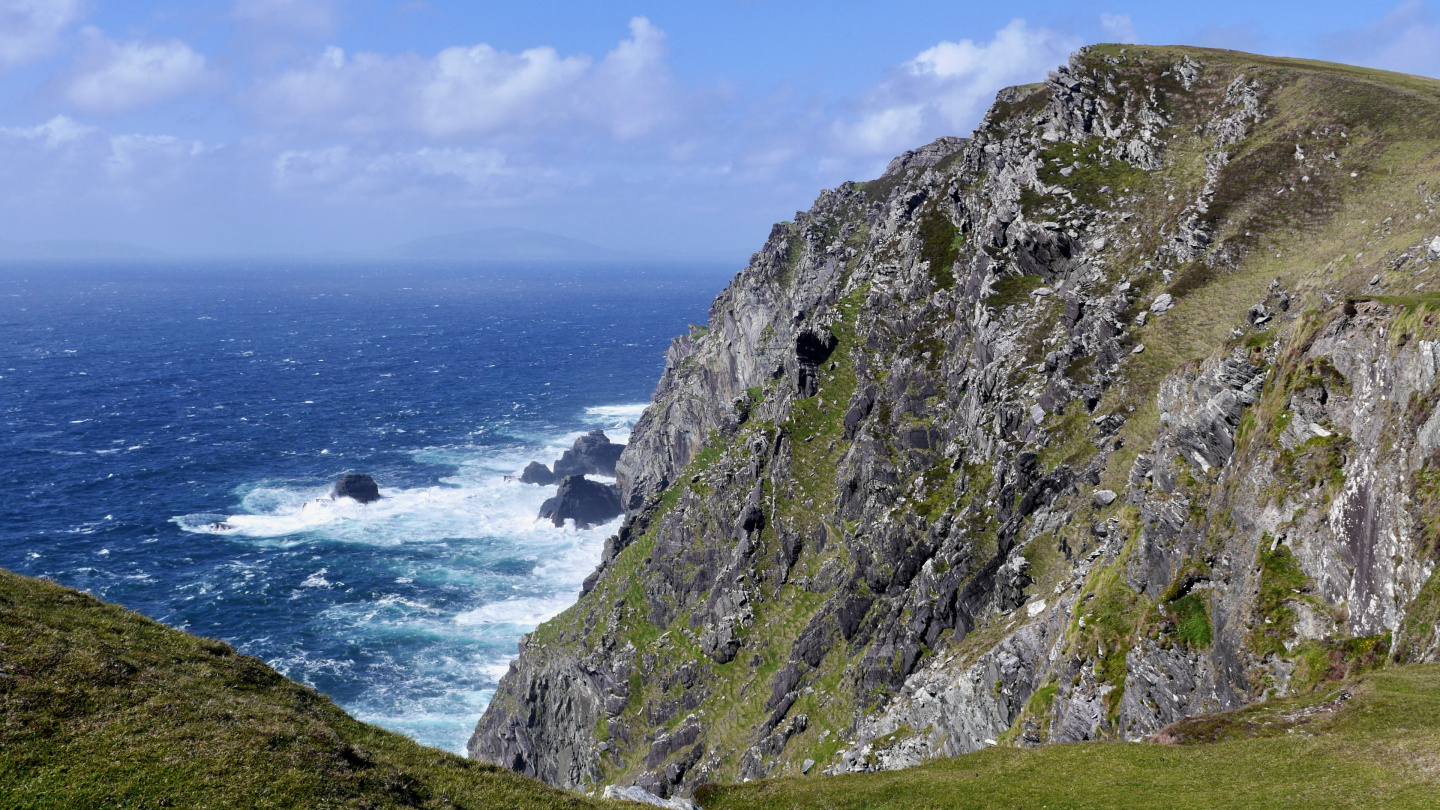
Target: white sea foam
526	611
442	544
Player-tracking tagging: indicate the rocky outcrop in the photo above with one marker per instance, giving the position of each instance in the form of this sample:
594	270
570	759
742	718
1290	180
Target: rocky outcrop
537	473
587	503
358	487
592	454
1061	432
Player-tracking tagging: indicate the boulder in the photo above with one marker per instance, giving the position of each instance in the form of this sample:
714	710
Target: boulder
537	473
588	503
641	796
592	454
356	486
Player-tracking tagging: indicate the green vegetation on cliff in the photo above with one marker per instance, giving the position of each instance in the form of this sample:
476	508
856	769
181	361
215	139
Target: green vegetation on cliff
1373	743
101	707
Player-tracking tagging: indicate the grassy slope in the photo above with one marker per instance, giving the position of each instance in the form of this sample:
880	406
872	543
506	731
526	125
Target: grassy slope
100	706
1381	749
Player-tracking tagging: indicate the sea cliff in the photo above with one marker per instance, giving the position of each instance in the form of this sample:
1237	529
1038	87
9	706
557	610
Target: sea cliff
1119	411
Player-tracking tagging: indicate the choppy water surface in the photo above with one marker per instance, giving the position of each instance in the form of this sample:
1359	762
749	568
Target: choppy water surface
139	405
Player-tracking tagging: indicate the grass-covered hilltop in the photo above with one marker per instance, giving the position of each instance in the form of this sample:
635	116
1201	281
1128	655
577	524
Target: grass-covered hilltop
1119	412
1089	461
101	707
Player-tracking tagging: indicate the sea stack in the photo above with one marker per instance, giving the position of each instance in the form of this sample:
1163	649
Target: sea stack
588	503
537	473
592	454
357	486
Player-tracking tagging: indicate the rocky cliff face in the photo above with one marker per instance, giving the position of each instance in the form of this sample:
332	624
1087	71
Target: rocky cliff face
1119	411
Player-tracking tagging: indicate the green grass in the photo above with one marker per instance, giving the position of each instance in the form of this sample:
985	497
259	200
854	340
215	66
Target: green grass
1192	620
1381	748
940	246
101	707
1012	290
1097	180
1281	582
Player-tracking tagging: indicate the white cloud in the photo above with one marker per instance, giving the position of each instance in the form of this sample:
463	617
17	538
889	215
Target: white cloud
317	16
1406	39
945	89
344	172
56	132
114	77
476	90
30	29
63	160
1119	27
480	89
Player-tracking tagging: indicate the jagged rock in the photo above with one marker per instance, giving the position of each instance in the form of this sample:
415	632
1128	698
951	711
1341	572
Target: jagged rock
1163	302
588	503
358	487
1433	251
592	454
537	473
1104	497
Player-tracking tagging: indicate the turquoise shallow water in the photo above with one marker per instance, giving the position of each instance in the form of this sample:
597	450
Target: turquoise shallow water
138	405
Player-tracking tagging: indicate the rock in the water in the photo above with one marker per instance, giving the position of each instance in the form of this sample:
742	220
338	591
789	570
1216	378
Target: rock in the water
592	454
357	486
537	473
588	503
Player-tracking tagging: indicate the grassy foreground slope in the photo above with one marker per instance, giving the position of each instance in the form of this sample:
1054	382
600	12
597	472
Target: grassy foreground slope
1378	748
101	707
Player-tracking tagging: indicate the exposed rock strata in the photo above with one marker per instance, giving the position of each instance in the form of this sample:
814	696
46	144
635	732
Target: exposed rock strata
914	491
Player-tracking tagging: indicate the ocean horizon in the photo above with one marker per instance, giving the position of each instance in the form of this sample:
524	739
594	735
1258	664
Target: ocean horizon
146	402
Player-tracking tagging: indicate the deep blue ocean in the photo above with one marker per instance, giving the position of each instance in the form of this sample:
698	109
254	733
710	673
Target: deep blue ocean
139	405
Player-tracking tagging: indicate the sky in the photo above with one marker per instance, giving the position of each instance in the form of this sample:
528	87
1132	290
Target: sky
248	128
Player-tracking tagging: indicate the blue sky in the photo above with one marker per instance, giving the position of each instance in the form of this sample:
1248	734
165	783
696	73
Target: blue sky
285	127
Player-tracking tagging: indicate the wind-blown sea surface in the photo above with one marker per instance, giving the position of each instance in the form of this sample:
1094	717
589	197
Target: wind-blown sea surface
139	405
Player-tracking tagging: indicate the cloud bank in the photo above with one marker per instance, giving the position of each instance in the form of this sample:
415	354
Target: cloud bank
947	87
114	77
475	90
31	29
263	132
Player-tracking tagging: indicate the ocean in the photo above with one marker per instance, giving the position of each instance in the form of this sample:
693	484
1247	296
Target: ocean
141	404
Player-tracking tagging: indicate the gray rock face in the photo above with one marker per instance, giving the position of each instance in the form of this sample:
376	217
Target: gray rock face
588	503
358	487
592	454
891	496
639	796
537	473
